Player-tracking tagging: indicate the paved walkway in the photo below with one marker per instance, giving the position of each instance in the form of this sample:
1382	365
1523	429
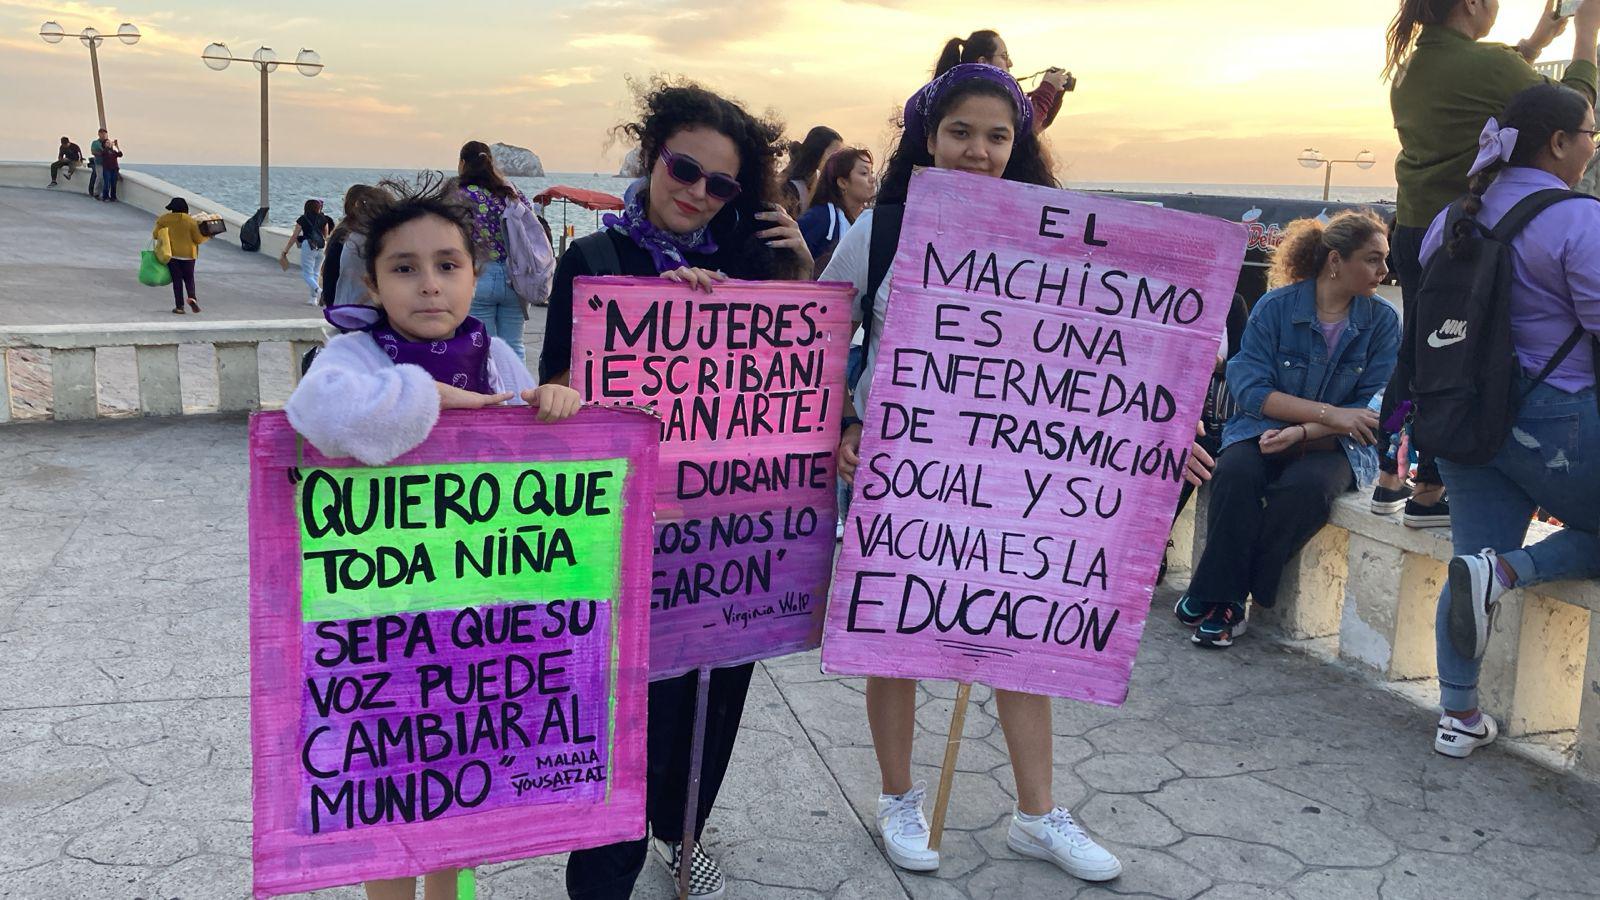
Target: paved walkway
1252	773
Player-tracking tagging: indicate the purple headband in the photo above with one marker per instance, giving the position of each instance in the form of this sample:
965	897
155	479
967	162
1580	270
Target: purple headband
926	98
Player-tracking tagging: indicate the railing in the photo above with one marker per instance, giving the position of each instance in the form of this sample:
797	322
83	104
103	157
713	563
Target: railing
74	387
1365	591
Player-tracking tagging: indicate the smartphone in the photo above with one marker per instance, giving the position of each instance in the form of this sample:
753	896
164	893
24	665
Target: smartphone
1566	9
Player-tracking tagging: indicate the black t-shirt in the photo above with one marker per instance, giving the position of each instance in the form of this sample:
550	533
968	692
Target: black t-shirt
70	152
314	228
556	355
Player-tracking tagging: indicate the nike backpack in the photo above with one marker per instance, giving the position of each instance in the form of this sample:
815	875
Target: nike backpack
1466	372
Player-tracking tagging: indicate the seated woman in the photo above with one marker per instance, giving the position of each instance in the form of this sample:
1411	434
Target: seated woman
1315	352
1548	458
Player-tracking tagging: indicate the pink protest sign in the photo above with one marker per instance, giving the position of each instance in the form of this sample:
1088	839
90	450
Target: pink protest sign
748	383
448	653
1042	367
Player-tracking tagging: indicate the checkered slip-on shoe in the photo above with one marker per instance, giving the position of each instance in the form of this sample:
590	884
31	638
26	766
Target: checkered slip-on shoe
705	878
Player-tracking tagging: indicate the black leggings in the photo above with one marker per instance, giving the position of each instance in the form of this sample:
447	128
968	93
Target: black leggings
1263	509
182	279
608	873
1406	252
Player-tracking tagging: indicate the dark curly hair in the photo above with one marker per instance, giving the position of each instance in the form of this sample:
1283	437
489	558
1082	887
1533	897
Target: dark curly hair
667	107
1029	163
396	202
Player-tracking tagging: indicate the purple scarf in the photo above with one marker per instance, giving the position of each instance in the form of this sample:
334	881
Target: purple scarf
461	361
666	248
927	97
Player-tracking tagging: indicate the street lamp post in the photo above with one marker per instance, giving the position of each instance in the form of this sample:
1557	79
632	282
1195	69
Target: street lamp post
307	63
1311	158
53	33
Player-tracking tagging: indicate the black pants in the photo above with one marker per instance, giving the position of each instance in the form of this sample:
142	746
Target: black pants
94	179
1406	253
608	873
182	279
1262	511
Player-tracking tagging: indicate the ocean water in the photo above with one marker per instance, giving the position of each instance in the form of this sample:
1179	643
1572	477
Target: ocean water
237	187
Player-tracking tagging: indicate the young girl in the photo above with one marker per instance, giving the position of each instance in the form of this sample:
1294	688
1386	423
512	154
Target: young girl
845	186
487	194
375	392
703	212
310	233
973	118
806	157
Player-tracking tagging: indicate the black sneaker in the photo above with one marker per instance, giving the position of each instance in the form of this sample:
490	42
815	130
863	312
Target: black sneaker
1190	611
1435	516
1388	501
705	878
1221	626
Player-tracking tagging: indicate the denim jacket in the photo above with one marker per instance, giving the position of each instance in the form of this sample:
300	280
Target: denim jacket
1283	351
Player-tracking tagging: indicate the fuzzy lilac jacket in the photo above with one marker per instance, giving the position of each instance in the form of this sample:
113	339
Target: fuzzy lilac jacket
356	402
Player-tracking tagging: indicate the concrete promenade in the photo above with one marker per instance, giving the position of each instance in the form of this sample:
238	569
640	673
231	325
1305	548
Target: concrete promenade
1251	773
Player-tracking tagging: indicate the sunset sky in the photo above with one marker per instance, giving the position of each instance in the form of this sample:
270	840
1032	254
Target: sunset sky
1169	90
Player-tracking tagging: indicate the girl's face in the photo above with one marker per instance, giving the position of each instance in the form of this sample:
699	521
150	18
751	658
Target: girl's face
976	135
682	208
1365	269
425	279
859	186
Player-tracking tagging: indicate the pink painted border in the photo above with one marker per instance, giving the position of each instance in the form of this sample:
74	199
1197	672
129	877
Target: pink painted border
286	861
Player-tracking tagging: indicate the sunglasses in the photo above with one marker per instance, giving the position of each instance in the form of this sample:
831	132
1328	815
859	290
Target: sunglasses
686	170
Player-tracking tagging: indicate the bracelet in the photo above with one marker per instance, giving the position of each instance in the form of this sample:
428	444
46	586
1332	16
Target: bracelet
848	421
1305	433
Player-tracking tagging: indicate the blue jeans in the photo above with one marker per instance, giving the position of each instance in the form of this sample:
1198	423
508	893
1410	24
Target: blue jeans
311	269
1551	460
108	183
498	307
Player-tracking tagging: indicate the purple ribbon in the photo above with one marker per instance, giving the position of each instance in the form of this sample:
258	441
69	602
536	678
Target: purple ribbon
1495	144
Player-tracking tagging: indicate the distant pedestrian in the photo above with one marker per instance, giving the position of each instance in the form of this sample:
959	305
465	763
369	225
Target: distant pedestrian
95	146
343	283
183	232
311	232
799	178
69	156
110	168
489	195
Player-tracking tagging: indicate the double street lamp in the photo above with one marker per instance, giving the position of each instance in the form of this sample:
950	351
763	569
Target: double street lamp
307	63
1312	158
53	33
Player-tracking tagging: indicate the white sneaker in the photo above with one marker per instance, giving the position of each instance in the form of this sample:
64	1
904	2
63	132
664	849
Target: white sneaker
1474	597
1457	740
1057	838
905	831
705	877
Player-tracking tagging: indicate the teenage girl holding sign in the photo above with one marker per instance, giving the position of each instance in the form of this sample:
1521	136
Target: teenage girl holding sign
973	118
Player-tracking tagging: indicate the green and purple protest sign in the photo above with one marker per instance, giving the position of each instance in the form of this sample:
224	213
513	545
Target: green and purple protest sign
1034	397
448	659
748	383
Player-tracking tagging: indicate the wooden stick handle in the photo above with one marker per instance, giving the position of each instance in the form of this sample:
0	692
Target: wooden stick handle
947	774
691	805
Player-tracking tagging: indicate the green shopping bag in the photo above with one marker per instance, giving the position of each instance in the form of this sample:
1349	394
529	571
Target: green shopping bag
151	271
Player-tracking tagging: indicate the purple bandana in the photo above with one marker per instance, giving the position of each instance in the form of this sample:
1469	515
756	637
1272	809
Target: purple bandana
461	361
666	248
927	97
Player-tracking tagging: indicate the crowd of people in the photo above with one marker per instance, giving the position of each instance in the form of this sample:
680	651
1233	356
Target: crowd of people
1322	387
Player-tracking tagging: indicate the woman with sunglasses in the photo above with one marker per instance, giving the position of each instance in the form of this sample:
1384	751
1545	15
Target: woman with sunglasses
1445	81
973	118
704	211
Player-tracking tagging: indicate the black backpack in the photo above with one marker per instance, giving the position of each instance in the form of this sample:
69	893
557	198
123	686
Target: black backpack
1465	380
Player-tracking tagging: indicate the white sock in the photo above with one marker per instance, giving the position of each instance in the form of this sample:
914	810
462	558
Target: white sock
1024	817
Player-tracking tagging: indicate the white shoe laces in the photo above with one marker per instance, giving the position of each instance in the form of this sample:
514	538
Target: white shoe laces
1060	821
905	816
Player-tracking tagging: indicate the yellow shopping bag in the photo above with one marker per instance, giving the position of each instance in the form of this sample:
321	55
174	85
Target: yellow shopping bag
163	246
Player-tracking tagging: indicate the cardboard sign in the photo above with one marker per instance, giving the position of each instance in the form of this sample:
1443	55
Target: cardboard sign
447	654
1032	403
748	382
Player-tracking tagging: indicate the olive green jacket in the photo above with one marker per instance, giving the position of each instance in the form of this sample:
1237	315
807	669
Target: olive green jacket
1441	97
